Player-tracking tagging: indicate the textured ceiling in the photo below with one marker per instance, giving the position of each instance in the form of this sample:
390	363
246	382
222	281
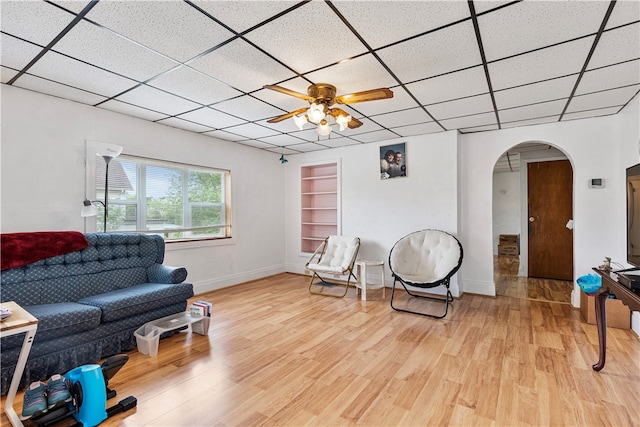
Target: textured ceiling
201	65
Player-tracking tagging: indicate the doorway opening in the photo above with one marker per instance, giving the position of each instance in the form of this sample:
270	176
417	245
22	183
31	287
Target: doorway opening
520	242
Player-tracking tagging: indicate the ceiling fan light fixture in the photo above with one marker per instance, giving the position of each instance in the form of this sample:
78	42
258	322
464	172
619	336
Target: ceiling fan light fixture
300	121
323	128
343	121
316	113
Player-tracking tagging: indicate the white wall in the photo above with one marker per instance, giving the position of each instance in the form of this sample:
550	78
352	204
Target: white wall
43	181
382	211
506	205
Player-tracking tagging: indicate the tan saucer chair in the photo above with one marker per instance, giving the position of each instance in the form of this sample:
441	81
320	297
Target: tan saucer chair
336	256
425	259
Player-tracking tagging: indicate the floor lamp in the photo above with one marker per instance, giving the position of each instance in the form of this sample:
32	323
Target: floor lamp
108	152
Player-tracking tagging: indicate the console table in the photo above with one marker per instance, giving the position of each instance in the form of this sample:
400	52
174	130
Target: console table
628	297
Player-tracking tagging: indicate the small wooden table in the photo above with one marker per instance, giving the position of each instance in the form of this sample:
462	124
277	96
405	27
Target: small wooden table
20	321
630	298
362	284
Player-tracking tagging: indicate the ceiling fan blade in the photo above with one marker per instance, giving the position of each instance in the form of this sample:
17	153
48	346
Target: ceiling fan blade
289	92
354	123
367	95
288	115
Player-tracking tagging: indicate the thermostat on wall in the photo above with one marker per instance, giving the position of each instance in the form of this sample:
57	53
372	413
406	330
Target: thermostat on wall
596	183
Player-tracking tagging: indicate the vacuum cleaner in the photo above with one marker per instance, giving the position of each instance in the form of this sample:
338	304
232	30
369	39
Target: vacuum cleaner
89	388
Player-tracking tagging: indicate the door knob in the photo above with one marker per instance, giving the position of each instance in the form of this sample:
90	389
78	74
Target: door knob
531	219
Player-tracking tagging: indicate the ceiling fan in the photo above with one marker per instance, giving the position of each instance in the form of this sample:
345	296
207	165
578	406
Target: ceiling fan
321	97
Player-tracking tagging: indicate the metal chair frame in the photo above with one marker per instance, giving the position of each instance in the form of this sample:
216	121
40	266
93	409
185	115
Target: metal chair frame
445	281
320	252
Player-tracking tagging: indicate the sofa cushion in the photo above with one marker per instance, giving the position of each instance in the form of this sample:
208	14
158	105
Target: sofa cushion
136	299
58	320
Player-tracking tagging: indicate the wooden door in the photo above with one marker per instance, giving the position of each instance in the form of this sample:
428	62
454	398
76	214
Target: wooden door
550	206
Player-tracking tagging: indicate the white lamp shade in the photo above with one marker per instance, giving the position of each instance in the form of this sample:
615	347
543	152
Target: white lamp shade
108	150
300	121
315	113
88	209
343	121
323	128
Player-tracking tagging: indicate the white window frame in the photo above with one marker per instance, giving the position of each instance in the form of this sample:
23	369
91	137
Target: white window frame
91	152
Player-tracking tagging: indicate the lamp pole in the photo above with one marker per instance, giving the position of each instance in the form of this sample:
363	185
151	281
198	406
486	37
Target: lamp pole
107	159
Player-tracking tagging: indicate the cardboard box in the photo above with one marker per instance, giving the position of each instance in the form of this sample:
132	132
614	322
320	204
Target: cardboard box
618	314
510	251
510	239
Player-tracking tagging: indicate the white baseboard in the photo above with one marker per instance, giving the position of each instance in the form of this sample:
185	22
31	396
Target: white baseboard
234	279
477	287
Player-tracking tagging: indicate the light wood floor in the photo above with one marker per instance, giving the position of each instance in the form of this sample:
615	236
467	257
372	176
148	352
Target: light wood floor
508	283
276	355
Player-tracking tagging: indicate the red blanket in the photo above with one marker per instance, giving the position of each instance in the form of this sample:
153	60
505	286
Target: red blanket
20	249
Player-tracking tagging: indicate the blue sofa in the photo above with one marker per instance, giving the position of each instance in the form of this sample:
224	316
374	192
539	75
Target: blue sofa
89	302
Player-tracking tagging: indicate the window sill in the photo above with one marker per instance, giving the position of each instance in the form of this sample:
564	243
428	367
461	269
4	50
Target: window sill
195	244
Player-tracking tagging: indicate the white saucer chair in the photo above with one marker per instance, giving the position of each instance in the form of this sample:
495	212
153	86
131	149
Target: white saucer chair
336	256
425	259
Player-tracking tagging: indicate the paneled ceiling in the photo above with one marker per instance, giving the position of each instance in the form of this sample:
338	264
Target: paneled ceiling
201	65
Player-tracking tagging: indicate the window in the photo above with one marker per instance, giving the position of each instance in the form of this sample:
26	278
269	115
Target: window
175	200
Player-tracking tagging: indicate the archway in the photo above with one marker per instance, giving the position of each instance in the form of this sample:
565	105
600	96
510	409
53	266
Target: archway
511	227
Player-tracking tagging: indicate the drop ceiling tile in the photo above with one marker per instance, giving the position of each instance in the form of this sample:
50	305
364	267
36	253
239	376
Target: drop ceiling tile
226	136
172	28
540	65
450	86
308	134
63	69
281	151
623	13
248	108
242	66
256	144
610	77
7	74
194	85
375	136
449	49
616	46
479	129
154	99
420	129
310	146
532	111
486	5
234	13
608	98
390	21
105	49
402	118
37	22
355	75
289	37
212	118
477	120
537	24
183	124
47	87
367	126
16	53
537	92
131	110
400	101
339	142
72	5
530	122
282	140
590	113
285	126
251	130
461	107
285	102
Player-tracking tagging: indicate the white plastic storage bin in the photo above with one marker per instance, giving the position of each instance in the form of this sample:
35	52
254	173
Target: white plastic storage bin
148	335
147	338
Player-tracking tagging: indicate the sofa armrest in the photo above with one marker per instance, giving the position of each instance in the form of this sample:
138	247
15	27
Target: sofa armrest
159	273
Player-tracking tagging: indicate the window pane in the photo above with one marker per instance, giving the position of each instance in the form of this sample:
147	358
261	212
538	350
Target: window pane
122	179
205	187
164	198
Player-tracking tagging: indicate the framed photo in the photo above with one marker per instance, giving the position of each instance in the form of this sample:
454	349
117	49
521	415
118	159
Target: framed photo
393	161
